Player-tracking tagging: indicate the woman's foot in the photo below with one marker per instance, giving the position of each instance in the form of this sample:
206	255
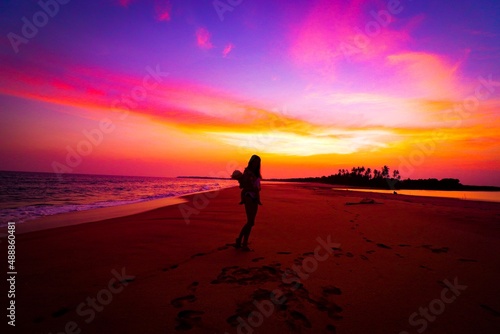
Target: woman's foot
245	248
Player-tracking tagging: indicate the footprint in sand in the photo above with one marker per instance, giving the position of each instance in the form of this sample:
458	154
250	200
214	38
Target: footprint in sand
383	246
333	312
174	266
363	257
331	290
442	284
124	281
436	250
233	320
331	328
291	311
192	287
229	268
489	309
62	311
296	315
243	310
248	276
257	259
283	253
440	250
370	251
271	269
367	240
349	254
197	255
241	271
180	301
308	253
321	304
189	314
404	245
262	294
187	319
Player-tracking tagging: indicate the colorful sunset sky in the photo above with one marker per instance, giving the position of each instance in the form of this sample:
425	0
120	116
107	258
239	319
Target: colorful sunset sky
195	87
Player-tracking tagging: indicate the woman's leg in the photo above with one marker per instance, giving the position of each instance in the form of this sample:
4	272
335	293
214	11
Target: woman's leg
251	208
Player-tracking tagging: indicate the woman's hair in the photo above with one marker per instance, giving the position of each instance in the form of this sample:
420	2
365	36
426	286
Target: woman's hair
255	170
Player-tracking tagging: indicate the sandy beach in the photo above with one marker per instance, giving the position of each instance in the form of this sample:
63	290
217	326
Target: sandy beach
401	265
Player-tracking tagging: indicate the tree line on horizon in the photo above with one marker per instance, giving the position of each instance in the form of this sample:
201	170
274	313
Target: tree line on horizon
381	179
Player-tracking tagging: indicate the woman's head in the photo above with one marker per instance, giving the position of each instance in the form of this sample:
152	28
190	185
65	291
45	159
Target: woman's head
254	165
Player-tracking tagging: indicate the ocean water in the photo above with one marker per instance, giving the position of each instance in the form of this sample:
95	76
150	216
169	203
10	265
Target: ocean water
25	196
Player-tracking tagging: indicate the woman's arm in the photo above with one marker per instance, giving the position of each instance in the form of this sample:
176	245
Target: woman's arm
256	184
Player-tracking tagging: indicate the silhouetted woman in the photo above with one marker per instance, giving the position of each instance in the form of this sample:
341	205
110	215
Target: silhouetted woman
250	182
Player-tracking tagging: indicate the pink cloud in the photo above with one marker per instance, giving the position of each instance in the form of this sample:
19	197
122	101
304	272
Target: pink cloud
203	38
125	3
93	92
163	9
93	89
425	74
227	49
338	31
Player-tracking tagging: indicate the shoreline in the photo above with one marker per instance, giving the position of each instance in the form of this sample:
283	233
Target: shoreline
100	214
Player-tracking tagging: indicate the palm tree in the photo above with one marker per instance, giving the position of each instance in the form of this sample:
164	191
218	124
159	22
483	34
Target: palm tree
368	173
385	172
